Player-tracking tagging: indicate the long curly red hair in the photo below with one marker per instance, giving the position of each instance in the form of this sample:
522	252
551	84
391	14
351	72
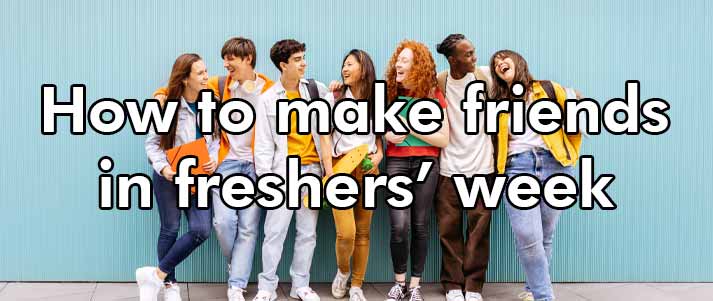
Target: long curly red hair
422	75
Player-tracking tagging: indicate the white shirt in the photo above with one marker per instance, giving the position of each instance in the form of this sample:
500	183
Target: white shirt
342	144
240	145
530	140
465	154
526	141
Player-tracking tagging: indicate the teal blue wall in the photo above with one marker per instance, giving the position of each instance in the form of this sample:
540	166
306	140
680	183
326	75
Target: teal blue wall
51	229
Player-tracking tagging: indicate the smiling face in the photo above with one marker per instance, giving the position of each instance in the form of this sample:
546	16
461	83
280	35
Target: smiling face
505	69
238	68
351	71
198	78
463	57
295	66
403	65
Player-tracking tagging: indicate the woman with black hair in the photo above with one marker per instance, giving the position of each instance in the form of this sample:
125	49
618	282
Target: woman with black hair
352	225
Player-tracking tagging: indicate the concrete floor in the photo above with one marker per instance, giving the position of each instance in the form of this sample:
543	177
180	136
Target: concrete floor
375	292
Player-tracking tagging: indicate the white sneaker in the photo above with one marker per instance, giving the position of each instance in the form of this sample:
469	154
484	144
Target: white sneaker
339	285
265	296
149	283
172	293
356	294
235	294
455	295
473	296
304	294
526	296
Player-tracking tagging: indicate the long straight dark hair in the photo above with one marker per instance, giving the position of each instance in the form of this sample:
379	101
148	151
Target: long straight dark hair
367	76
500	88
181	71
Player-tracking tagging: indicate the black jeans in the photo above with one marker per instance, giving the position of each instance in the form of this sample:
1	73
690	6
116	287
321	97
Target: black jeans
415	218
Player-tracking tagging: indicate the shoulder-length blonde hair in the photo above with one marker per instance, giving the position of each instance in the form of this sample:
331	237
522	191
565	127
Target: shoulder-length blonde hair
422	76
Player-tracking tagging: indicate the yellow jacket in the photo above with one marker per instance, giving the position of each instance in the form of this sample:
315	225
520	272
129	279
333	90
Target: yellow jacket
565	148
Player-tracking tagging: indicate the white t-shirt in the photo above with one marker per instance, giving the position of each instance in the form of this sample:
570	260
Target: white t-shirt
530	140
342	144
526	141
240	145
465	154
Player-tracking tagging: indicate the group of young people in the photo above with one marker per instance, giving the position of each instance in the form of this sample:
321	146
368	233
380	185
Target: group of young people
411	72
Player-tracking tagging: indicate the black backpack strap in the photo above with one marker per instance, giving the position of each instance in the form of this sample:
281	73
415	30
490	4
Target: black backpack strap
221	86
549	89
312	88
496	143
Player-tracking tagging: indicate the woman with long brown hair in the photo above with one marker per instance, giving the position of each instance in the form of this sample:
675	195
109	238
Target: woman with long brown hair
352	225
188	77
411	75
534	154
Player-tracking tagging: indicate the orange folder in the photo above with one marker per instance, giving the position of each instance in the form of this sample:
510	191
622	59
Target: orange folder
196	148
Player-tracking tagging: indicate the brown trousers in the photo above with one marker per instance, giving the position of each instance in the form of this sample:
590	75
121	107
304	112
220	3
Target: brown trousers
465	261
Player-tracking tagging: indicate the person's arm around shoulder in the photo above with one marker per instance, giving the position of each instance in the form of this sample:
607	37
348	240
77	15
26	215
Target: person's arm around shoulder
162	92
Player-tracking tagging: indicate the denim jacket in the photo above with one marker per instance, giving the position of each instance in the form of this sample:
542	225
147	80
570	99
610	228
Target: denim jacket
185	132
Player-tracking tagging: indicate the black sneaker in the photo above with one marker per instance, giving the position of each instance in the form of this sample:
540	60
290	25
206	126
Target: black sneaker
415	294
397	292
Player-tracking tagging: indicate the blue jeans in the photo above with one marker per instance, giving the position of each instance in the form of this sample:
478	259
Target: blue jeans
171	252
534	228
277	223
236	230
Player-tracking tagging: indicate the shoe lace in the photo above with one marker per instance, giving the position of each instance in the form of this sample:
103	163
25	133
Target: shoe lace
416	294
396	292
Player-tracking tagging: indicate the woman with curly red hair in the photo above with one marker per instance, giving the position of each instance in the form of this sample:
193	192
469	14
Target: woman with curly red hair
411	75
